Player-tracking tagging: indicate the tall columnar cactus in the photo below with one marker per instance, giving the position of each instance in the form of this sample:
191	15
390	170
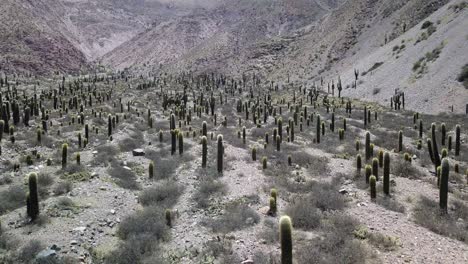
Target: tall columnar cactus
264	162
64	155
430	149
368	150
368	172
443	134
204	129
79	140
87	132
457	140
358	162
400	141
443	191
168	215
109	125
380	156
357	144
332	124
2	128
318	128
254	153
160	136
220	153
78	158
243	135
435	150
181	143
375	168
173	142
32	200
285	225
373	191
420	128
204	150
273	206
280	128
278	143
386	173
449	142
39	135
172	124
151	170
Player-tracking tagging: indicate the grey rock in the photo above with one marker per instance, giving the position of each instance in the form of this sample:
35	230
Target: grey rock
138	152
45	254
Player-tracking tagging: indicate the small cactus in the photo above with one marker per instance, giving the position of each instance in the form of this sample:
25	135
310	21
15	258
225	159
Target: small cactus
289	160
151	170
273	207
358	162
168	217
373	191
254	153
264	162
78	158
368	172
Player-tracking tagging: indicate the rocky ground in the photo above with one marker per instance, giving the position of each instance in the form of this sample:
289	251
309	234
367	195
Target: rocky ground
108	209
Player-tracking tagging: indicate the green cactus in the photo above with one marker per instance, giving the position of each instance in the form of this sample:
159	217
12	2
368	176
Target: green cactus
444	177
280	128
243	135
109	125
380	156
289	160
368	172
375	168
273	207
444	153
435	150
358	162
367	146
32	199
457	140
204	129
39	136
278	143
204	151
220	153
285	226
64	155
358	145
373	191
151	170
443	134
78	158
449	142
254	153
168	217
386	173
2	128
400	141
264	162
318	129
181	143
173	142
